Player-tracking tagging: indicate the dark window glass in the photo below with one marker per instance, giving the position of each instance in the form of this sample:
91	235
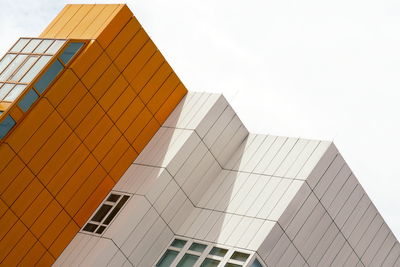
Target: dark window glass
49	76
232	265
240	256
113	198
256	263
167	259
6	125
70	51
90	227
209	263
116	209
188	260
27	101
101	213
100	230
197	247
218	251
178	243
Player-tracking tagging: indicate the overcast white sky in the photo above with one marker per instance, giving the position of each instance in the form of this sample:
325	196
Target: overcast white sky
312	68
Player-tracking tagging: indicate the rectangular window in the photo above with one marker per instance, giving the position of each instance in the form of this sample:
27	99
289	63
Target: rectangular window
167	259
39	65
5	89
209	263
33	43
239	256
70	51
27	101
14	65
44	45
49	76
24	68
188	260
6	125
106	213
15	92
53	49
5	61
19	45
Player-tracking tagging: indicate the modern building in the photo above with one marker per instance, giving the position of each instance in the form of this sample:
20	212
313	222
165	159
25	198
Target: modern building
108	161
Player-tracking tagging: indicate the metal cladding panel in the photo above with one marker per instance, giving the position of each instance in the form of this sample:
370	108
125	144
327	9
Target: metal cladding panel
69	147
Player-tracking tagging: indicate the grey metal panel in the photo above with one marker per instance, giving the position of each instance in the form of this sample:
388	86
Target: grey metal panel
384	250
323	245
332	251
329	175
375	245
393	256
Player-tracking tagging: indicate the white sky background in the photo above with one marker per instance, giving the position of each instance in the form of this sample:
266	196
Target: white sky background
312	68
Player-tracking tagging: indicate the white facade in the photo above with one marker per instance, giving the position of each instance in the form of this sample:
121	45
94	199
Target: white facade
204	178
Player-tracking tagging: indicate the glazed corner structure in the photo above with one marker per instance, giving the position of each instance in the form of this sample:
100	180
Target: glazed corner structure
75	113
108	163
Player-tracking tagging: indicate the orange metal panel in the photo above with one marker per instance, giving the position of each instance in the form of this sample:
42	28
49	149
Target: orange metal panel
137	126
27	197
29	125
100	21
86	21
40	136
104	82
131	49
113	92
121	40
98	132
49	148
121	104
149	69
3	208
62	87
11	239
130	114
89	122
55	229
55	20
16	113
46	218
10	172
59	158
112	27
169	105
150	89
73	98
7	222
86	190
123	164
139	61
115	154
146	134
19	251
61	22
80	111
162	94
46	260
88	56
17	186
93	202
107	142
64	238
33	256
36	208
74	21
96	70
73	184
68	169
6	155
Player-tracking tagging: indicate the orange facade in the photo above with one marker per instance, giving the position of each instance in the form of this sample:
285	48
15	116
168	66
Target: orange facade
65	153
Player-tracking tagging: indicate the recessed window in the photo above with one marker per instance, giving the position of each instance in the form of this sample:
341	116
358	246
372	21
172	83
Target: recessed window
70	51
106	213
49	76
188	260
239	256
178	243
218	251
6	125
197	247
209	263
167	259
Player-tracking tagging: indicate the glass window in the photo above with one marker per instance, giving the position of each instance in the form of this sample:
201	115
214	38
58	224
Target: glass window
178	243
232	265
188	260
49	76
167	259
113	197
19	45
90	227
33	43
55	47
5	89
39	65
240	256
27	101
6	125
116	210
101	213
15	92
197	247
25	66
256	263
5	61
70	51
218	251
41	49
209	263
12	67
